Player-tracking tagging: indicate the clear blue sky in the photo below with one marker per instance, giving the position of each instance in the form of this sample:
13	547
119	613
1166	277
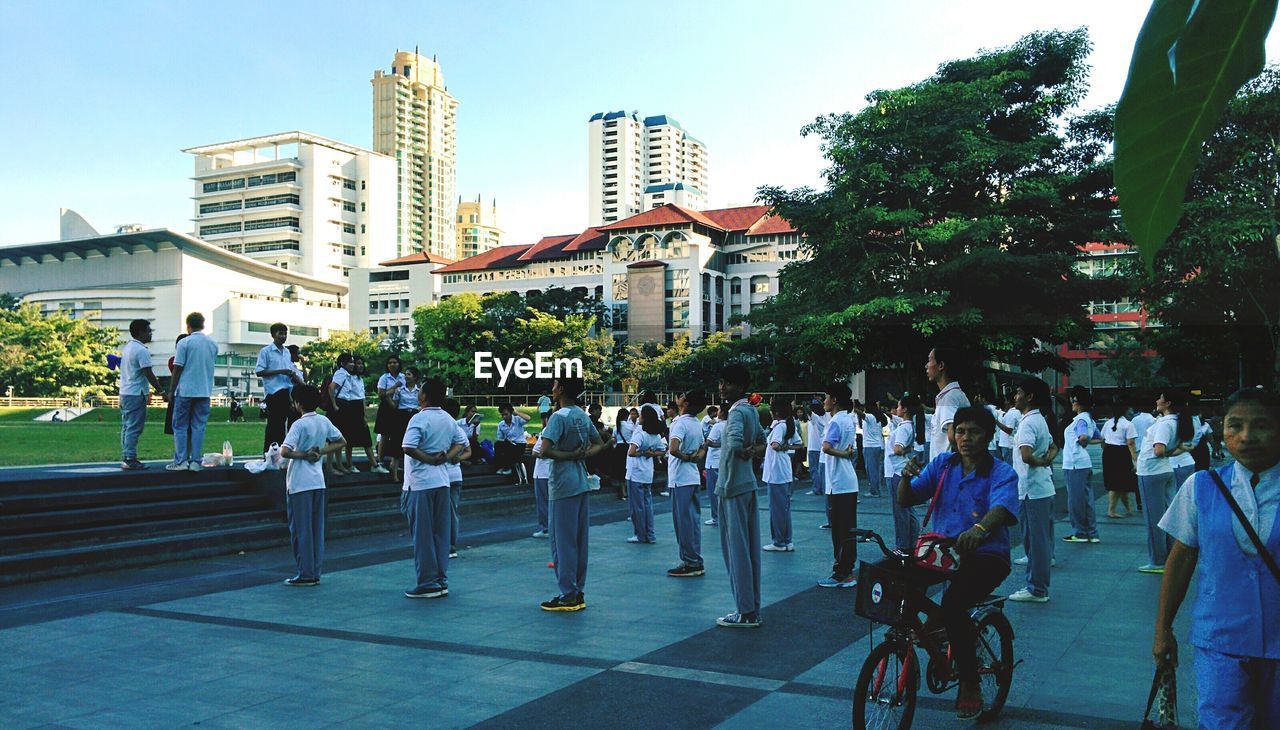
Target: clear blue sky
100	97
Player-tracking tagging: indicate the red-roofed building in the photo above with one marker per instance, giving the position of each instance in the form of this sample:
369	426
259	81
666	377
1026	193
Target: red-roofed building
662	272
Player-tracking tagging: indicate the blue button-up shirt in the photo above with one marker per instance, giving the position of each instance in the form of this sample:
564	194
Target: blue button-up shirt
966	498
274	358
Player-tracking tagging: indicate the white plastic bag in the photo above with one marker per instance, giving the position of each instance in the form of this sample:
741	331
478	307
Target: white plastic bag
593	482
211	460
256	466
273	458
228	456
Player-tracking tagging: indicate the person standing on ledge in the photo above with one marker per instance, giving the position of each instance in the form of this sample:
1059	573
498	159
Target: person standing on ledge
736	489
544	408
135	373
569	440
190	389
275	367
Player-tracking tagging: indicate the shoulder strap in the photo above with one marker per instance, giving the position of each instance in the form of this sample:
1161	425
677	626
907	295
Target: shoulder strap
929	512
1248	528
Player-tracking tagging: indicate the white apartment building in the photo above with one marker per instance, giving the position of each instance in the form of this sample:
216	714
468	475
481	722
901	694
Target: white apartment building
637	164
383	297
415	123
664	272
297	201
478	229
162	275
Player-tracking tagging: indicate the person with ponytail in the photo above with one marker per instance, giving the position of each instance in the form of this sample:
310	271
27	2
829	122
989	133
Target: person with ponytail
1077	468
646	443
1156	480
841	481
906	443
1119	452
873	423
1034	452
782	440
1189	425
685	450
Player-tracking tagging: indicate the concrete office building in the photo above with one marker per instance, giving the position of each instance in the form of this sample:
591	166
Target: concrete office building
478	229
637	164
161	275
662	273
383	297
297	201
415	123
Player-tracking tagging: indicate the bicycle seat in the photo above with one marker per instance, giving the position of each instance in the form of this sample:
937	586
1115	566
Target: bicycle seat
992	600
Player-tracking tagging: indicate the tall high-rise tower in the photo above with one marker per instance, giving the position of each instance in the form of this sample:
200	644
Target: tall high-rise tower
639	163
415	121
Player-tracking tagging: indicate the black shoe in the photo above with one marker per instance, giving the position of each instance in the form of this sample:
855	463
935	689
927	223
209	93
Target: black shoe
300	581
686	571
432	592
565	603
132	465
826	526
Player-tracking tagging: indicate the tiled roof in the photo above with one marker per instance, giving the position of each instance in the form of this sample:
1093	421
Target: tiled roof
663	215
737	219
422	257
589	240
502	257
549	247
770	225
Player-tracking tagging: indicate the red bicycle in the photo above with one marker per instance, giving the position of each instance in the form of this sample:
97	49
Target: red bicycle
890	592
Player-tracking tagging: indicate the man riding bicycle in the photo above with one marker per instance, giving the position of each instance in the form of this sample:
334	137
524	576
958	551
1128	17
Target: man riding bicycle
977	502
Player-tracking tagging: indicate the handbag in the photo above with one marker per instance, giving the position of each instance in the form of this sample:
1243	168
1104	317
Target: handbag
1163	700
1248	528
930	552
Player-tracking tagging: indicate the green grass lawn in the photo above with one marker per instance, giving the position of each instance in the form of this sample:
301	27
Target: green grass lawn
95	436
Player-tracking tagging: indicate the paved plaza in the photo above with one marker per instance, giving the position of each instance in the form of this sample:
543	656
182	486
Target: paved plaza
220	643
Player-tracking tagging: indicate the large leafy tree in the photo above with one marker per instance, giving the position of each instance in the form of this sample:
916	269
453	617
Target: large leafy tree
320	357
952	213
44	355
1213	290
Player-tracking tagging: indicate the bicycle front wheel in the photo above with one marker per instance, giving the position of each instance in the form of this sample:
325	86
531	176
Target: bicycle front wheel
995	662
885	696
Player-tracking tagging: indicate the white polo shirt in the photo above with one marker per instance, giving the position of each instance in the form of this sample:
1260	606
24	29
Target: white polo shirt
1010	418
684	473
1118	431
640	468
430	430
949	400
1163	431
713	452
1034	482
872	433
134	356
838	473
1142	422
1075	456
312	430
777	464
196	354
818	423
904	435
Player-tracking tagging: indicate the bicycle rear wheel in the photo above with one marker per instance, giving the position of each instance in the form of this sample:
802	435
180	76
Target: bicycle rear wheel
885	696
995	662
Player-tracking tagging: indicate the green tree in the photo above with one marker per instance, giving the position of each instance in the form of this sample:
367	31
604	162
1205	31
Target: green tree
952	213
447	335
1213	290
1129	361
320	357
54	355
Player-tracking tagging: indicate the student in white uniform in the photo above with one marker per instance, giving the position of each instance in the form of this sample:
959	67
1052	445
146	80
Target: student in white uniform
940	369
1156	482
309	439
1006	427
1119	452
388	384
455	478
1077	469
1032	461
781	441
646	444
839	449
405	402
714	439
1184	464
873	424
818	420
683	455
980	399
430	440
905	444
541	473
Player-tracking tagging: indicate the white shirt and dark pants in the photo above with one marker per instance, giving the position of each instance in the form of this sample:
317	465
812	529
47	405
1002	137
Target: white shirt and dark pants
278	390
1035	497
134	388
196	353
568	498
427	505
686	511
304	481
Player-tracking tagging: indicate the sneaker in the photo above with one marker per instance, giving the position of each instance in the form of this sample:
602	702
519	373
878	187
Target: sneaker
540	533
736	620
826	526
1075	538
1149	568
635	540
504	472
194	466
686	571
565	603
379	469
431	592
175	467
712	523
1026	596
453	553
1095	539
300	581
664	494
836	581
788	548
132	465
1021	561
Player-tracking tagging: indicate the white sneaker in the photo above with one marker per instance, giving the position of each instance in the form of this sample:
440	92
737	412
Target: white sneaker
194	466
712	522
664	494
1026	596
540	533
1053	562
504	472
771	548
175	467
379	469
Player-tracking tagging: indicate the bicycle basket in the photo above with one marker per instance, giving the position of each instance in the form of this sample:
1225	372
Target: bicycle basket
883	587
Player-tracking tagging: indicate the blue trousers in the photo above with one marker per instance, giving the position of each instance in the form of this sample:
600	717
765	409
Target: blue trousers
1037	539
1006	454
1237	691
713	474
190	416
569	519
133	416
306	531
906	521
429	520
816	472
780	513
686	514
1180	474
1157	493
1084	522
540	498
640	499
873	460
740	543
455	499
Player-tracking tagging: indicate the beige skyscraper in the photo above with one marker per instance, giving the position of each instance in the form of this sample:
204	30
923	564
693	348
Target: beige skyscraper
478	229
415	122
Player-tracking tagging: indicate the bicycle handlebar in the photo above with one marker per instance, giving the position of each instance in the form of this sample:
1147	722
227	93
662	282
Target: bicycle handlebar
873	536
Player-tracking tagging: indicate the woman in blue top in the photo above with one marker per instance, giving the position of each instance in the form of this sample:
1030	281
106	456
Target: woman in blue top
1237	604
977	502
